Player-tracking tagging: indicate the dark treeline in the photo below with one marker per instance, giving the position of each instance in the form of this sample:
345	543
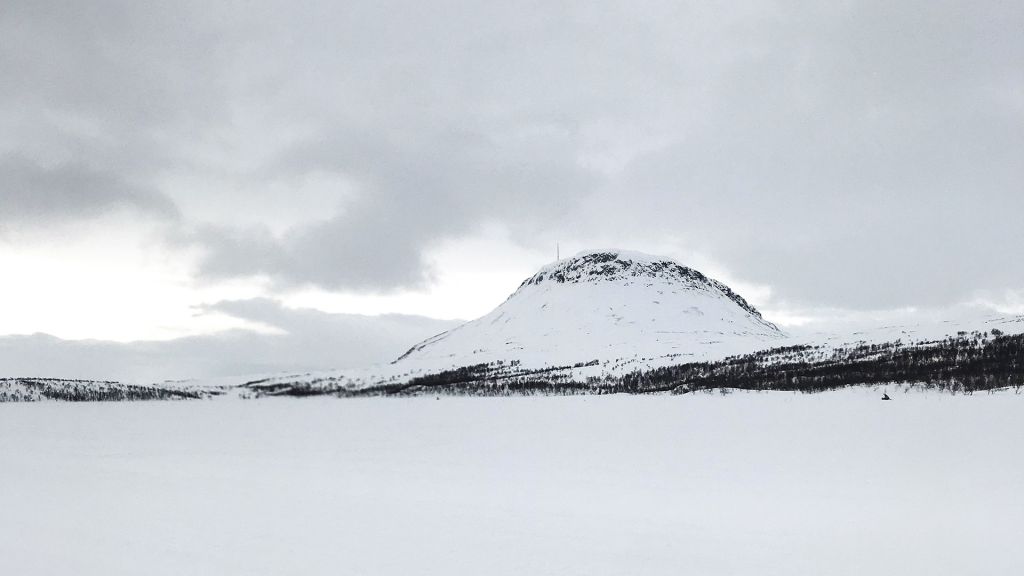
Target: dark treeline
28	389
963	363
495	379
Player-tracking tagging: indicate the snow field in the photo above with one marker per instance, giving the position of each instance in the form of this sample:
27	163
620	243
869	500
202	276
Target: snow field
774	483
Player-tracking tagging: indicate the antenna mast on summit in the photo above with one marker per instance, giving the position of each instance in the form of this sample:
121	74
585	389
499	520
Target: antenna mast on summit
558	252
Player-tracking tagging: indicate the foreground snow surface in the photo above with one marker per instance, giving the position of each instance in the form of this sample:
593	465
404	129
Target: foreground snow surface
774	483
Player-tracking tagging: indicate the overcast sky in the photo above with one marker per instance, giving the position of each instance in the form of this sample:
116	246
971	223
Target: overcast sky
162	164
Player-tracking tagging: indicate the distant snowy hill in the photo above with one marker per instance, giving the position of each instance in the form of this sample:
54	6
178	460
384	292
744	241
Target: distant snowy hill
604	305
616	321
612	320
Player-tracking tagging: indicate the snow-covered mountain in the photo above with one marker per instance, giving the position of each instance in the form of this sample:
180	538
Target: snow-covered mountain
616	321
606	305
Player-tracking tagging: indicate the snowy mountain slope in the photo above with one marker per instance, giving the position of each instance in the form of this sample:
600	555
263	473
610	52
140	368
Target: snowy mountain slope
909	326
601	320
597	314
605	314
604	305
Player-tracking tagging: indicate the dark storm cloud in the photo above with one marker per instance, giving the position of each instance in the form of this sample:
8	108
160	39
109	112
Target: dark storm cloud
33	193
856	154
93	94
311	340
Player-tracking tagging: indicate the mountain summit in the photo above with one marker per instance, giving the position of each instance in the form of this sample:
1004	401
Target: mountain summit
629	268
625	310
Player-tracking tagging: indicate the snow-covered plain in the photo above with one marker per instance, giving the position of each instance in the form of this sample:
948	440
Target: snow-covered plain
773	483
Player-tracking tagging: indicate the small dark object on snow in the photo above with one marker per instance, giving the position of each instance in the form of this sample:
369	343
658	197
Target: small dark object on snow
885	396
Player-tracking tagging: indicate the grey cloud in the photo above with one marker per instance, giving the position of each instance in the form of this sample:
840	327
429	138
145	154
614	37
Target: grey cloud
99	94
118	62
312	340
415	189
861	154
38	194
